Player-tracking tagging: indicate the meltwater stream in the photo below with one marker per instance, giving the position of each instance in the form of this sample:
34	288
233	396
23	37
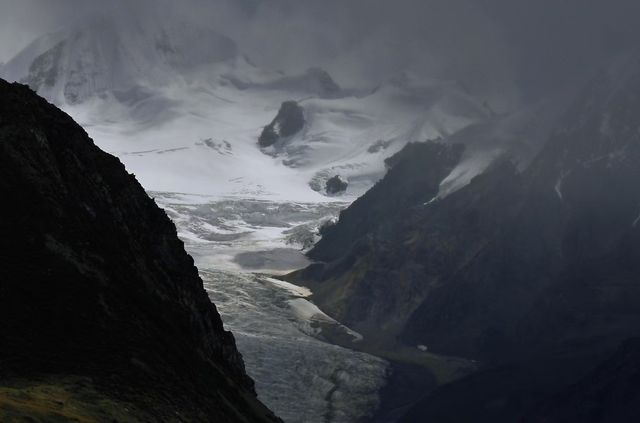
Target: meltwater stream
235	242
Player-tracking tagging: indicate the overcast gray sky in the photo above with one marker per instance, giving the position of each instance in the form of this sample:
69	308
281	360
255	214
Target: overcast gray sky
535	44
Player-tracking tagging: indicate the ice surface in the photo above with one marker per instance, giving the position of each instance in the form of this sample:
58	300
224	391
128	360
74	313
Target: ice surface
300	377
228	232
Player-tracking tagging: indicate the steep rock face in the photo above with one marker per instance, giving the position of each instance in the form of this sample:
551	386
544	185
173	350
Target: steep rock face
512	263
358	285
412	180
95	282
288	122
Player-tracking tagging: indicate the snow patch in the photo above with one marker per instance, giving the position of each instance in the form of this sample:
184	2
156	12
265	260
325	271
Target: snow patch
298	291
470	167
306	311
558	186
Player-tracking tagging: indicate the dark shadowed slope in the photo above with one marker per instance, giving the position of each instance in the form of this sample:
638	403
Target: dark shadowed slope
512	261
574	388
364	281
610	393
102	313
536	270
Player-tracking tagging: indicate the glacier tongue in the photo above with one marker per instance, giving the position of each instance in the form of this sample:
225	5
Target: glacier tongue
298	376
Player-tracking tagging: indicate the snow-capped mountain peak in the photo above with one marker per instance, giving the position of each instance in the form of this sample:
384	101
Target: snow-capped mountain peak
160	92
104	53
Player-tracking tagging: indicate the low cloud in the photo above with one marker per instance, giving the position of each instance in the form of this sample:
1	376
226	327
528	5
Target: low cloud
497	48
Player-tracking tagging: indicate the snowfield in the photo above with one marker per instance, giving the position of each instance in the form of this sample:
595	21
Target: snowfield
202	138
183	109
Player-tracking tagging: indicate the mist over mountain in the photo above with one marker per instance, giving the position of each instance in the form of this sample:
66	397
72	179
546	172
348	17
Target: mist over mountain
409	210
347	38
492	45
533	273
458	62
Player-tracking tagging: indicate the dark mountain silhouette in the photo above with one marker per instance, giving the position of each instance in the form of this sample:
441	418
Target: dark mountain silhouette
103	316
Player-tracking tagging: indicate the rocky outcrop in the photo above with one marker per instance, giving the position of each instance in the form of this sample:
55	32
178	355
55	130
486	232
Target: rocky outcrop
96	286
336	185
288	122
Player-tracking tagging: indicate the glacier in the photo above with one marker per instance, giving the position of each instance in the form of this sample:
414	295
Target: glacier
300	377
